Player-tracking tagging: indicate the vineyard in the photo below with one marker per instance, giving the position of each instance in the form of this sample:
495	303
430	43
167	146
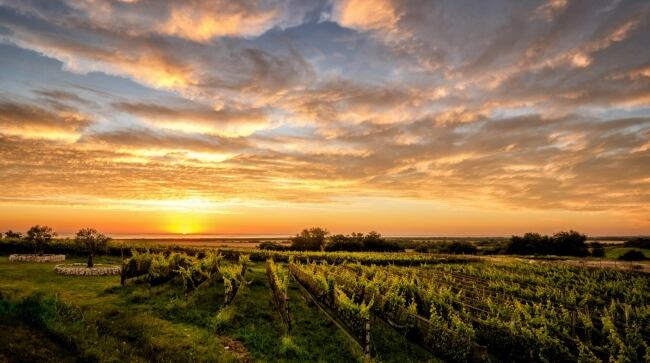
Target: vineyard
512	312
383	306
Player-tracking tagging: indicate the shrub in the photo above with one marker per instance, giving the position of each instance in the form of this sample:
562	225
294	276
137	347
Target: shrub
288	347
632	255
460	247
452	247
598	252
271	246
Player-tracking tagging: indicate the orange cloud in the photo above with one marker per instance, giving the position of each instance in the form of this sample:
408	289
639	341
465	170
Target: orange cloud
550	9
204	23
366	14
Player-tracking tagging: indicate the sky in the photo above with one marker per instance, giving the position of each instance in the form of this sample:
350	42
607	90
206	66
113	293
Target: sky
263	117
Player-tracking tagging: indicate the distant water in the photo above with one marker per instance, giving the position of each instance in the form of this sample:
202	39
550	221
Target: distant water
182	236
187	236
248	236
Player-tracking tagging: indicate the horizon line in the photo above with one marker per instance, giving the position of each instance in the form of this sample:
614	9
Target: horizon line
205	236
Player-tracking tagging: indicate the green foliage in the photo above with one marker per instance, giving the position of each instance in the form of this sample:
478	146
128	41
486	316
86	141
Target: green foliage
224	317
234	278
520	312
159	268
279	283
288	347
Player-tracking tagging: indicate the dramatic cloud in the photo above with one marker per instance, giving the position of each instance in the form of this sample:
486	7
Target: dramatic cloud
537	105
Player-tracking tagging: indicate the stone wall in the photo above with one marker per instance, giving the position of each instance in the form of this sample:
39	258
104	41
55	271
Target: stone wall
37	258
80	269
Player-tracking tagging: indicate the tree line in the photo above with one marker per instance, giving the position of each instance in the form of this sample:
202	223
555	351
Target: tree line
564	243
319	239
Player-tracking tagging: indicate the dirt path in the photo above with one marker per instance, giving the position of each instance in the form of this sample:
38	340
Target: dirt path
237	348
618	265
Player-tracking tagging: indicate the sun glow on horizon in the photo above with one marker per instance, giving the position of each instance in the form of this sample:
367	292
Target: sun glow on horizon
184	223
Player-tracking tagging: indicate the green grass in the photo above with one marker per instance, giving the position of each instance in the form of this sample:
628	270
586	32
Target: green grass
21	279
93	318
254	320
616	252
24	343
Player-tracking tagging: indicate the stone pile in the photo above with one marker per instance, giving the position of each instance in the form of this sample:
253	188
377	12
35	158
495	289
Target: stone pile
36	258
80	269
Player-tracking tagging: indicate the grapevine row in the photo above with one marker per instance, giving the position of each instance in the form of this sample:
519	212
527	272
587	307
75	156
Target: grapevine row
355	317
280	288
503	326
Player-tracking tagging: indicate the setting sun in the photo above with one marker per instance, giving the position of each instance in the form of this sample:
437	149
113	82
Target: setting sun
184	223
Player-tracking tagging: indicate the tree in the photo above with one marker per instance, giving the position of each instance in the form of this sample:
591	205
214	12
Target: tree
570	243
40	237
374	242
311	239
92	242
529	244
563	243
339	242
459	247
13	235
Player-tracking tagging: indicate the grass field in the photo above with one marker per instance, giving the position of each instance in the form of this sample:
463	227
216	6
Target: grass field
616	252
96	319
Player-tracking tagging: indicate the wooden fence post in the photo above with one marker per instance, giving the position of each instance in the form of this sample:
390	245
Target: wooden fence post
588	318
367	340
286	312
573	322
122	276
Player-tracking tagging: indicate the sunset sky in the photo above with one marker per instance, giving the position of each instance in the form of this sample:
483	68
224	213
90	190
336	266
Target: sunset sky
263	117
